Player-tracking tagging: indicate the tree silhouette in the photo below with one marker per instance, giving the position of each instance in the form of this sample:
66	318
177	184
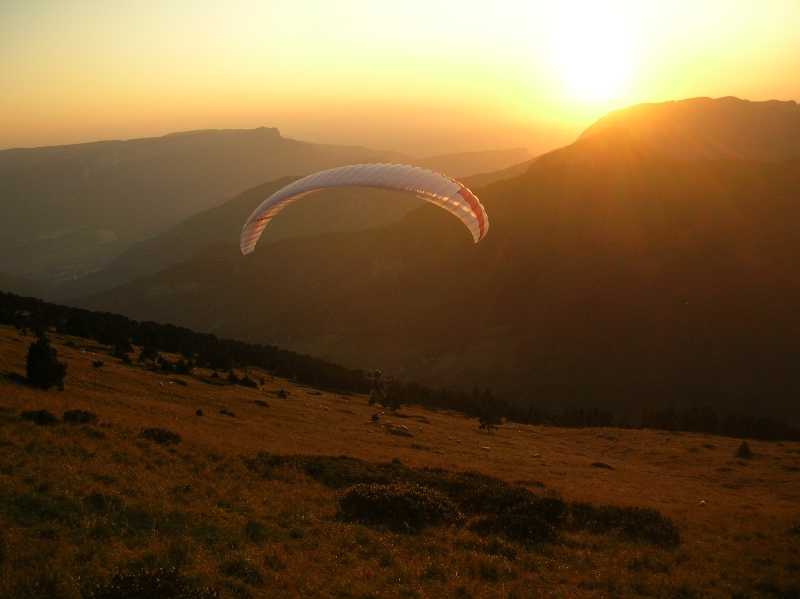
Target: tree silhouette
42	365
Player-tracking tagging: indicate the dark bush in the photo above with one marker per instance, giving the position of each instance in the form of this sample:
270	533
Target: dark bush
602	465
38	507
160	583
225	412
744	452
637	523
42	366
161	436
243	570
533	521
198	412
400	507
40	417
246	381
256	532
261	403
98	364
79	417
148	354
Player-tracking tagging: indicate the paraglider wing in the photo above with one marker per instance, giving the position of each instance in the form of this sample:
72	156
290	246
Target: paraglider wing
433	187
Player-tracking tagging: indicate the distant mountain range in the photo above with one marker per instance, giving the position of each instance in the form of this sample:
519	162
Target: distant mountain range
624	269
70	210
340	210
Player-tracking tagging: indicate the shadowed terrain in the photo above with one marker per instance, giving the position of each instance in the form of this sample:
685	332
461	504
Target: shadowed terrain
71	209
248	499
614	274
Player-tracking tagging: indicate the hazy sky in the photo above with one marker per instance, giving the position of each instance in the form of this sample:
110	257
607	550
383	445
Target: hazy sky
419	76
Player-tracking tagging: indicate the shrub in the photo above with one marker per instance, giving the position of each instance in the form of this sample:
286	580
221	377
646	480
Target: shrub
535	520
42	367
246	381
198	412
40	417
641	524
161	436
400	507
243	570
256	532
148	353
79	417
98	364
744	452
261	403
163	583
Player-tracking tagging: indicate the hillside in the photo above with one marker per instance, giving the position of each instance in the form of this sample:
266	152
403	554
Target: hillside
683	268
70	210
335	210
466	164
248	502
710	129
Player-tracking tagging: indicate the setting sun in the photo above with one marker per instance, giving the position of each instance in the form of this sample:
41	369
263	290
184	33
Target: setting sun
592	52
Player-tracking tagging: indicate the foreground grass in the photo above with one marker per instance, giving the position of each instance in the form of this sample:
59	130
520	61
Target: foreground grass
250	505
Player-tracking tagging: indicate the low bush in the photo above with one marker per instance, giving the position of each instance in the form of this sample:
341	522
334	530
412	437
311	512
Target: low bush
533	521
399	507
79	417
161	583
39	417
743	452
511	510
637	523
243	570
161	436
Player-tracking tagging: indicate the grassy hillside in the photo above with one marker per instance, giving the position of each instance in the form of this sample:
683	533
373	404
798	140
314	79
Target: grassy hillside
247	504
683	268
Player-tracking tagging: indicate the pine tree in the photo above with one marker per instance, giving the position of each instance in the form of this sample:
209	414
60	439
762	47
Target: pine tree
43	368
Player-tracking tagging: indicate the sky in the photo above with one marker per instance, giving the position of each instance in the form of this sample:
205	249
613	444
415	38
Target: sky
421	77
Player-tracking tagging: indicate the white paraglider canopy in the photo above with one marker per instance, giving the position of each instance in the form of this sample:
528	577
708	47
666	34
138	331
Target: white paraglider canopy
431	186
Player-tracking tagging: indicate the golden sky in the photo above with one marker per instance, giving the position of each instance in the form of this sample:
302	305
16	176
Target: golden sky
417	76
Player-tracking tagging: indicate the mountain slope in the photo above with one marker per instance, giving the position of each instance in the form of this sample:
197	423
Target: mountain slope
613	273
70	209
466	164
247	500
706	128
336	210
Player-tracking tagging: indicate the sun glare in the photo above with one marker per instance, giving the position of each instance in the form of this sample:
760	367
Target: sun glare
593	52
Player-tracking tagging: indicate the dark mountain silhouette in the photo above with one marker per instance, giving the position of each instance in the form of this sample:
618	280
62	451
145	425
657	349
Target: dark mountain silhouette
706	128
69	210
339	210
614	273
19	285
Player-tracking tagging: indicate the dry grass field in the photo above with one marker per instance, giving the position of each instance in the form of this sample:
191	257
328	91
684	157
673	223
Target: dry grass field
81	503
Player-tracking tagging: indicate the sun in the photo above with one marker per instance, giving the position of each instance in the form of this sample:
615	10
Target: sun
592	52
